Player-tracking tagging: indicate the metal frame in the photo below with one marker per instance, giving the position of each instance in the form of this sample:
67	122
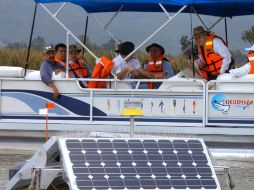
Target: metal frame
37	162
105	27
68	33
115	81
170	18
196	13
47	175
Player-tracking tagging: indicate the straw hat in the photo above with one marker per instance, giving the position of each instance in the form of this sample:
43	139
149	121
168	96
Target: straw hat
198	31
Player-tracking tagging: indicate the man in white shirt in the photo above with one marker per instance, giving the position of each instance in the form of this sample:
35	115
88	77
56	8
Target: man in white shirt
214	54
248	68
131	68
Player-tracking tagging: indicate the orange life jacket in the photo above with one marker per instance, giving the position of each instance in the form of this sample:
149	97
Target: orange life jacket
59	60
212	61
251	60
78	69
155	66
101	72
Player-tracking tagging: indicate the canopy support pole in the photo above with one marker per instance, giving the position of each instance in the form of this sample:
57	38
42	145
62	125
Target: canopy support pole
84	39
105	27
153	34
67	54
113	17
102	26
59	10
201	20
30	39
226	30
70	33
192	48
165	11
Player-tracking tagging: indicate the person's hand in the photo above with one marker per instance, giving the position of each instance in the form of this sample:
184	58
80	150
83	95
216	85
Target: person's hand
57	71
54	89
129	69
55	94
172	60
151	75
134	73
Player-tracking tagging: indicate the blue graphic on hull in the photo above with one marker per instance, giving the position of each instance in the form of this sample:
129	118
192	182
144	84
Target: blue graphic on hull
34	102
73	105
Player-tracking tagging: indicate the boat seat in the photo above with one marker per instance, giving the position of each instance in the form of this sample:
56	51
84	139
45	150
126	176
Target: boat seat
11	72
35	75
232	86
179	82
187	73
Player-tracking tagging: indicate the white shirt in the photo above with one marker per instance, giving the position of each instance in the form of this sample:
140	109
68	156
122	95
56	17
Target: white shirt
239	72
119	65
222	50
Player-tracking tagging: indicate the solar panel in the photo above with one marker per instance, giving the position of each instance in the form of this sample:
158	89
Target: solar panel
123	164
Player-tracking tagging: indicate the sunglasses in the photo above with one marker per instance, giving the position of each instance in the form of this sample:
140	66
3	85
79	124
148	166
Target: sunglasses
49	48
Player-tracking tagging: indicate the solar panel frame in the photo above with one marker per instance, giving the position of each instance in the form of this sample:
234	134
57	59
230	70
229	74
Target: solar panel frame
68	163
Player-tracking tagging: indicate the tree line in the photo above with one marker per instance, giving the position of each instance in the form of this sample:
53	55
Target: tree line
39	42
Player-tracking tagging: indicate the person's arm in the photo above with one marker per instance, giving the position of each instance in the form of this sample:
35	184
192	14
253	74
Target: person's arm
167	69
46	73
239	72
127	70
88	70
120	75
146	73
55	91
46	76
223	51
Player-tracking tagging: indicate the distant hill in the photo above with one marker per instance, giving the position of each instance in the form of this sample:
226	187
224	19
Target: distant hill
16	18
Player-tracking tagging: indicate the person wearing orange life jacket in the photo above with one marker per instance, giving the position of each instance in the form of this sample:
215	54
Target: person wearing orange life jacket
248	68
61	54
77	67
130	68
158	64
214	54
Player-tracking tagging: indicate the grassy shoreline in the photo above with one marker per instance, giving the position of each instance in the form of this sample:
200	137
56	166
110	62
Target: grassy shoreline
17	58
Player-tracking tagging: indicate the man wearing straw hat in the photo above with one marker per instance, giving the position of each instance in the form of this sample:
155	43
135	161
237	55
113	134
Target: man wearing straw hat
248	68
214	54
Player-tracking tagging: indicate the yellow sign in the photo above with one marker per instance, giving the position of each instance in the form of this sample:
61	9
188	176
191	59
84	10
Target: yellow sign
132	112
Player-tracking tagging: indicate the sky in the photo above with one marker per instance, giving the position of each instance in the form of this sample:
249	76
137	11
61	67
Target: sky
16	19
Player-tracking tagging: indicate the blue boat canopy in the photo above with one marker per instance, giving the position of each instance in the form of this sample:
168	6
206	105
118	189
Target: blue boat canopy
222	8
